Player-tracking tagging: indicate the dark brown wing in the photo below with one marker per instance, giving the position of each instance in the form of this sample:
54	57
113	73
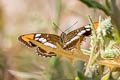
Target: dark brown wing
49	40
46	39
73	37
43	53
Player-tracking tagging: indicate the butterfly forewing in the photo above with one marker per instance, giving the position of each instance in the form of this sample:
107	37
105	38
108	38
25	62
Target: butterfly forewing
49	40
26	39
74	36
46	39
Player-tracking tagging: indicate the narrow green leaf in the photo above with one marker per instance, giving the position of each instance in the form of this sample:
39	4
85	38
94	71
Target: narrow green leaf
81	76
106	77
107	2
94	4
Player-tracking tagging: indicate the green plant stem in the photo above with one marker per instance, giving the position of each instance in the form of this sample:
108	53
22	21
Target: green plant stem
92	26
108	4
115	15
90	62
58	13
95	4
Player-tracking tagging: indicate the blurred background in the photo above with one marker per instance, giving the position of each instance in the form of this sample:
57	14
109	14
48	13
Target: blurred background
19	17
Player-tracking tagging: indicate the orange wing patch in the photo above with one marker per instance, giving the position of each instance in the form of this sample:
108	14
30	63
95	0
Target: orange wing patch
96	25
26	39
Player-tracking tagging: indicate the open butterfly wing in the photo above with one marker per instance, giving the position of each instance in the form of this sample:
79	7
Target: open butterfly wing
49	40
74	36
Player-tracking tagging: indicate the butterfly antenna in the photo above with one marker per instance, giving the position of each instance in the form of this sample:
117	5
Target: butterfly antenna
71	26
57	26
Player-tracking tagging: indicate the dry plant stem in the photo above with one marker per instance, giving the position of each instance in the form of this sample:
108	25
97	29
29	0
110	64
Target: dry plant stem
90	60
93	49
58	14
71	55
77	54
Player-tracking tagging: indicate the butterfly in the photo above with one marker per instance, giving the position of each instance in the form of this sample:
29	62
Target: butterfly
66	41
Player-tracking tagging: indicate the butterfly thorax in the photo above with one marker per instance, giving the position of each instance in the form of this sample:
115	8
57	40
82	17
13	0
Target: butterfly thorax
63	38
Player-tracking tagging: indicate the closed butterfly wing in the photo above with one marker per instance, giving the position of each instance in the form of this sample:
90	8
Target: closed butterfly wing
49	40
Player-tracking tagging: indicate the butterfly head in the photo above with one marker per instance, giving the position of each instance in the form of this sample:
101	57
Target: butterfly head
26	39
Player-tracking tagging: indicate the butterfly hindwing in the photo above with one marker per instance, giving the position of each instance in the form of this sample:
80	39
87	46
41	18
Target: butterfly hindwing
42	52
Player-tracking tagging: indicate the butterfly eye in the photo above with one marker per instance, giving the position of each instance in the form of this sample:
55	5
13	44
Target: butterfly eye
26	40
